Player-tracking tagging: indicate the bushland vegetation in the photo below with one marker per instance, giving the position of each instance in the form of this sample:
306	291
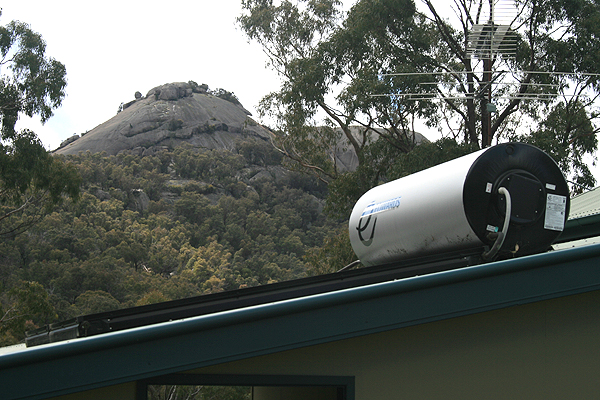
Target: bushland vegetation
175	224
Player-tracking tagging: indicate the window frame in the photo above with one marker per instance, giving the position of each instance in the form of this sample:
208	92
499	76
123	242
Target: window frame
344	384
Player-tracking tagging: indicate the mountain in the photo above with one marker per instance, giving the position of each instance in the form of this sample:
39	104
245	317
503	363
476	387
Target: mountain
186	113
169	115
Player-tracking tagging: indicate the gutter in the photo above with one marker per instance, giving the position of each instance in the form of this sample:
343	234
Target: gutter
580	228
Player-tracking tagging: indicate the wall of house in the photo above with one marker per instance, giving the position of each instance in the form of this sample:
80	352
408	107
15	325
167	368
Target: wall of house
545	350
294	393
123	391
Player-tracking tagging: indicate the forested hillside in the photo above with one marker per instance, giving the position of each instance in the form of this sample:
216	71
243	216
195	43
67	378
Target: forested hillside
159	219
174	224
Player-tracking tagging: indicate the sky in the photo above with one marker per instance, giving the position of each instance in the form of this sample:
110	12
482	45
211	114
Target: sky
111	49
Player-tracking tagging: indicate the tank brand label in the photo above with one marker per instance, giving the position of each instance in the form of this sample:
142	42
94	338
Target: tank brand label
363	225
368	219
556	207
375	208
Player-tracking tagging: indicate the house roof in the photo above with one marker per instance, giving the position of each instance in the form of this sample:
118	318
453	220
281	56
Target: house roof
242	324
228	335
585	204
584	219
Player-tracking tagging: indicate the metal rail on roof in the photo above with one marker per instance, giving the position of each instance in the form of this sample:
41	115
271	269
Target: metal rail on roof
205	340
112	321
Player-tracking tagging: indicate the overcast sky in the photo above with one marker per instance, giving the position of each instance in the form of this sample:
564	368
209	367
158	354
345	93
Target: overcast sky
112	49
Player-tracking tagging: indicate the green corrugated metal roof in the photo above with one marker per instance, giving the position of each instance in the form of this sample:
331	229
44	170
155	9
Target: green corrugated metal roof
585	204
584	220
178	346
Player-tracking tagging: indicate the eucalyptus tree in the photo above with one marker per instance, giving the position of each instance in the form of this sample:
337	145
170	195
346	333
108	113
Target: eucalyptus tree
532	77
393	66
31	180
330	64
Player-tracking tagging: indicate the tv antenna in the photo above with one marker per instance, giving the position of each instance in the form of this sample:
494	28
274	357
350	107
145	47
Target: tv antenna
487	42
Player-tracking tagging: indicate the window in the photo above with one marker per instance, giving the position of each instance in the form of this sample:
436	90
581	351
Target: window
246	387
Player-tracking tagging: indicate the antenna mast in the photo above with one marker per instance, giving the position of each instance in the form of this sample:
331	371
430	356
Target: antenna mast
490	43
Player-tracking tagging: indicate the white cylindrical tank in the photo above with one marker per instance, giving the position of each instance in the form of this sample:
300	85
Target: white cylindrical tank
456	206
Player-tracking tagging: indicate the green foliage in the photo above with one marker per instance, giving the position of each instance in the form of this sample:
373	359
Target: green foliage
259	153
333	65
31	180
361	67
25	306
226	95
567	134
152	297
95	301
216	220
207	166
335	254
189	392
35	84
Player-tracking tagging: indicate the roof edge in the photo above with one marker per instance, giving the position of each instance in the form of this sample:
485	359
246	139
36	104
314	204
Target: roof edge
179	346
159	331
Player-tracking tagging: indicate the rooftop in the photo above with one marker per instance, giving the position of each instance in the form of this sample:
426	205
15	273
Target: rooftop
142	342
274	326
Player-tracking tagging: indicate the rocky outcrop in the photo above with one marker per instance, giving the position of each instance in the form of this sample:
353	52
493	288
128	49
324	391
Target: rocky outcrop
69	140
186	112
140	200
170	115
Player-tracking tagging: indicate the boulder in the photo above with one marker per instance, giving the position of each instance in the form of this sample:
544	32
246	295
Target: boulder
168	93
102	195
140	200
69	140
